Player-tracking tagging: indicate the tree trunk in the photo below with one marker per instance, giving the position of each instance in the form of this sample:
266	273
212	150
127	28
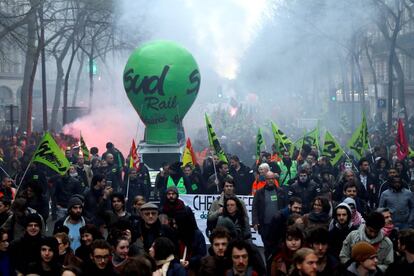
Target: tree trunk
391	77
65	88
91	74
78	75
32	55
374	75
400	87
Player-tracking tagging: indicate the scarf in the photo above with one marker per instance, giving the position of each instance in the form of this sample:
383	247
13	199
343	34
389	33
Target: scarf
164	264
321	217
357	219
386	230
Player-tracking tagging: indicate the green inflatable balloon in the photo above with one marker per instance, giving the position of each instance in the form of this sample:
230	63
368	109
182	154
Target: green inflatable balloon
161	79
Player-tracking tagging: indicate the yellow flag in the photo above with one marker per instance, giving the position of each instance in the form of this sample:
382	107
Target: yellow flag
49	154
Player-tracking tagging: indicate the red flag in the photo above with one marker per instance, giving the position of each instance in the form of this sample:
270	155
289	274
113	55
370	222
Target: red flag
401	141
134	161
190	148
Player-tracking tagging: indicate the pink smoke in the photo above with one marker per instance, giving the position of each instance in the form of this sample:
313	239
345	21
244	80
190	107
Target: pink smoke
109	124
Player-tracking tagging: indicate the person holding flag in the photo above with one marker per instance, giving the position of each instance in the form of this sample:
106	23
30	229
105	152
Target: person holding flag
137	181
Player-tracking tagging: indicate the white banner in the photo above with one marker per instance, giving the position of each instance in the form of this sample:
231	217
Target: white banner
200	204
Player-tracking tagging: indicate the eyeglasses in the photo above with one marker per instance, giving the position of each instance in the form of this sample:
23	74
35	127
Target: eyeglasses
152	213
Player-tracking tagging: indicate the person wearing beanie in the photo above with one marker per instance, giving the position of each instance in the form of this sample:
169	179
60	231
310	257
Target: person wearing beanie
365	260
173	206
73	221
370	232
47	263
25	250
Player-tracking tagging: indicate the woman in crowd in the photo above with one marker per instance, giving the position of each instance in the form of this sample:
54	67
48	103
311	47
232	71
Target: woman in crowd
319	215
282	262
88	233
120	252
234	219
47	264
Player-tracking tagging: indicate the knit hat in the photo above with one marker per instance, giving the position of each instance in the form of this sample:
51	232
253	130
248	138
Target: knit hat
74	200
149	206
171	189
33	218
362	251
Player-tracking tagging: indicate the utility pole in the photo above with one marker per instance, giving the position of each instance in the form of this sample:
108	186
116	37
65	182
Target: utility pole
12	119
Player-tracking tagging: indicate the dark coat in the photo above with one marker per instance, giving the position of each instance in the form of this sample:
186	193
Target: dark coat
259	204
243	179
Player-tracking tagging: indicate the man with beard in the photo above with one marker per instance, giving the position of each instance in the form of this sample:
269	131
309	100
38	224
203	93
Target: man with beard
25	250
241	256
173	206
243	176
304	188
340	227
287	169
401	202
266	202
74	221
216	263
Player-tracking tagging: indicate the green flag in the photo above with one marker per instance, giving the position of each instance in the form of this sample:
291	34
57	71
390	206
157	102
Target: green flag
332	149
259	143
410	152
359	140
49	154
282	141
84	149
312	138
213	140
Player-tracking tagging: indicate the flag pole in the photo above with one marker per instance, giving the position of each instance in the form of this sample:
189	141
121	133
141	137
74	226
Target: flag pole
215	173
346	154
127	189
1	168
24	174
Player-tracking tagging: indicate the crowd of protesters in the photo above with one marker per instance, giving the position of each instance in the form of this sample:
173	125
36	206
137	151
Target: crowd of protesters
104	218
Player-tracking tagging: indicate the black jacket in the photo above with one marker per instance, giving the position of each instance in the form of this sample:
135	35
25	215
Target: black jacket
306	191
243	179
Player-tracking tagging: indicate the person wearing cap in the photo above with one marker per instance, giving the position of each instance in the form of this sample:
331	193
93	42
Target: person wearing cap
73	221
151	227
365	260
25	250
370	232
